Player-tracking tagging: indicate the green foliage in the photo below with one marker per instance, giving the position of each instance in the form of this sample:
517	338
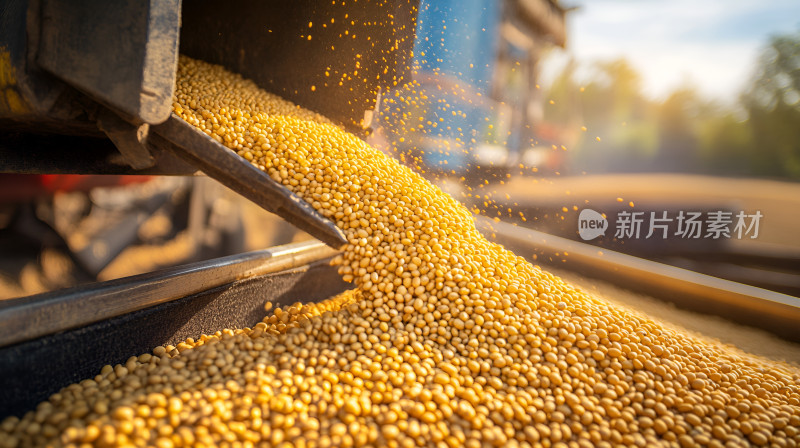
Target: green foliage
778	81
610	106
684	133
725	146
773	106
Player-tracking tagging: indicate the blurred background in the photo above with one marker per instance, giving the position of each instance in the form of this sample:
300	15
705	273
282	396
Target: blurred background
710	89
529	111
58	231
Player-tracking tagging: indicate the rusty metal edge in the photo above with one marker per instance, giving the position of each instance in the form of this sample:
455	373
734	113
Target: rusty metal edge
30	317
236	173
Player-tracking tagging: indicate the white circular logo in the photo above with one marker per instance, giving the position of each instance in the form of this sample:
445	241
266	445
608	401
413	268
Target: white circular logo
591	224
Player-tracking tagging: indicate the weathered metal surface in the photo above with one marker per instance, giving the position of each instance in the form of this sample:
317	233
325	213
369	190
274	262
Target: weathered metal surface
236	173
345	51
34	316
108	322
25	89
122	54
131	140
176	148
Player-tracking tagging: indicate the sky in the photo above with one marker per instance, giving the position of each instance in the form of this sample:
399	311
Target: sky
711	45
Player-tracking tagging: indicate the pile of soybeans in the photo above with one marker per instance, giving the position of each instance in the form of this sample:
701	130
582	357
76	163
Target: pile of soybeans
448	339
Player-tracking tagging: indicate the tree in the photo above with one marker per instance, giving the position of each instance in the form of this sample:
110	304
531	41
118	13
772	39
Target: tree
773	107
614	109
678	119
725	145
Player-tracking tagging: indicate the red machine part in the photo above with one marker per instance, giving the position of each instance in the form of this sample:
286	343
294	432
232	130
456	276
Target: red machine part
16	188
